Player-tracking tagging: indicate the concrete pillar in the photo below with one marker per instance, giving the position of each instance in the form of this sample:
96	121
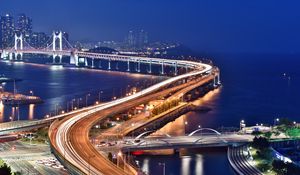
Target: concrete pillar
60	59
128	65
100	64
17	54
139	65
74	59
93	63
162	68
11	56
150	66
175	67
109	67
86	64
4	55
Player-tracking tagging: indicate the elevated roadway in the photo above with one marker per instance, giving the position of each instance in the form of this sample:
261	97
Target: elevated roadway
70	138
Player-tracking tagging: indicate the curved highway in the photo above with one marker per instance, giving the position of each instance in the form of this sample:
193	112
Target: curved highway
71	139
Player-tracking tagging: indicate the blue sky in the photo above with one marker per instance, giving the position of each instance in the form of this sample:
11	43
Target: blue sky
235	26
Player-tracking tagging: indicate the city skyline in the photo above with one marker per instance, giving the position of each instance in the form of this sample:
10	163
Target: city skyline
210	25
141	87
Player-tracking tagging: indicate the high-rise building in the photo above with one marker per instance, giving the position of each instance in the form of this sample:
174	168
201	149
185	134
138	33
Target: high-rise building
142	38
131	39
7	31
24	25
39	39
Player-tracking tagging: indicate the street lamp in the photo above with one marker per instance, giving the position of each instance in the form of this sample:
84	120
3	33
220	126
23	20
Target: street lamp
276	121
31	92
118	157
86	98
242	124
164	167
100	96
132	124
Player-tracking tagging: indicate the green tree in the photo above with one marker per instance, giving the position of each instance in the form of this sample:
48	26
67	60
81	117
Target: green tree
5	170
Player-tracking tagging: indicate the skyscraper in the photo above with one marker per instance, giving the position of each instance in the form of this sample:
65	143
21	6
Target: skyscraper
7	31
142	39
24	26
131	39
39	39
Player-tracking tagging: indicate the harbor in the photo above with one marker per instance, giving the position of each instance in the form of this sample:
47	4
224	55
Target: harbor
13	98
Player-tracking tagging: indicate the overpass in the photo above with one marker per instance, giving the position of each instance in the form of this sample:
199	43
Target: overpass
189	141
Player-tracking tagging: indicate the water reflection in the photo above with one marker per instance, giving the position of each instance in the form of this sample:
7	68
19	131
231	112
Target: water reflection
31	112
199	164
187	123
145	166
185	164
1	111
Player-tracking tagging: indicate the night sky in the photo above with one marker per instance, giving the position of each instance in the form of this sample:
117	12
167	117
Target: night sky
256	26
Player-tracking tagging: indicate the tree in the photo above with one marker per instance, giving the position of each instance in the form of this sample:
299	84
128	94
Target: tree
5	170
279	166
109	156
268	134
260	143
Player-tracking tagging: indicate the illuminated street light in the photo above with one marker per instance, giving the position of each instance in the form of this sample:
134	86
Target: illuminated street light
242	124
31	92
99	96
86	99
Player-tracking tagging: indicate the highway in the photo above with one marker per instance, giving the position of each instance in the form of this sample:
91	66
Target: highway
238	160
71	139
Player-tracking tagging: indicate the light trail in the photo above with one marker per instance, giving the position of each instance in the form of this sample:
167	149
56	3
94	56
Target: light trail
65	147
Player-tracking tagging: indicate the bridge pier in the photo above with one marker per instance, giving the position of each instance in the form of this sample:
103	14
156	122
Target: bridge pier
99	64
59	56
109	66
4	55
128	65
93	62
117	66
74	59
10	56
139	65
18	54
150	67
175	68
86	64
162	68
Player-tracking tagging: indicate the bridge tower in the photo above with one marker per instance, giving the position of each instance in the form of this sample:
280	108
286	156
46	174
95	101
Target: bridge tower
57	36
18	47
